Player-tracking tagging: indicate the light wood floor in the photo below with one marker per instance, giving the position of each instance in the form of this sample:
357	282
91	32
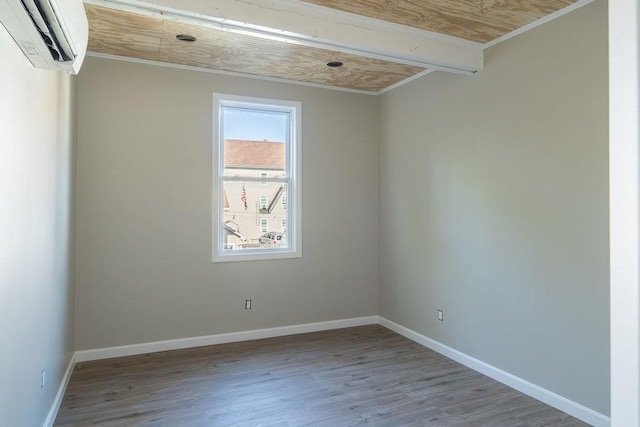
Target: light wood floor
349	377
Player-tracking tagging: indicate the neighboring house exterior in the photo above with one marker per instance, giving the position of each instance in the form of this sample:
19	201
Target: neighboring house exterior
252	208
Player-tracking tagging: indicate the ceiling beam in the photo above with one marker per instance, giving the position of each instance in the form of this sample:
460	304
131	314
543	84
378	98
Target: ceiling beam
310	25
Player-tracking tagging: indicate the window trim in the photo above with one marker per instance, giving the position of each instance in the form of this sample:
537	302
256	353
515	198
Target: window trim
294	179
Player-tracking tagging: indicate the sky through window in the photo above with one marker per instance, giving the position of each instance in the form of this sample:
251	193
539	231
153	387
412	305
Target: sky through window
255	125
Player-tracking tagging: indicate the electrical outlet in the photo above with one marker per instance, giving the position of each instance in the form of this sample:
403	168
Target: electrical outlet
42	378
440	315
247	304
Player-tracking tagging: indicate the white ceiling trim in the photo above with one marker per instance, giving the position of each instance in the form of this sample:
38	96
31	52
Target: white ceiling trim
539	22
296	22
405	81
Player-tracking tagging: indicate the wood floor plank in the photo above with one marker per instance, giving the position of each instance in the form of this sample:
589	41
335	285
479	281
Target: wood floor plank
366	375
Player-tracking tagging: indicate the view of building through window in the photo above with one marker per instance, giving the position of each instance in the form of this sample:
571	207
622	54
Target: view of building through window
253	210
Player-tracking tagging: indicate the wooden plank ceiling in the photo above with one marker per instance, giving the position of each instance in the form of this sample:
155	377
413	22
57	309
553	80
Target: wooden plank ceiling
476	20
135	34
116	32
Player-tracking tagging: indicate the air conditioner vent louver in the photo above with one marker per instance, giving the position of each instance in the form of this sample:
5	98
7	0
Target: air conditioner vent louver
51	33
49	29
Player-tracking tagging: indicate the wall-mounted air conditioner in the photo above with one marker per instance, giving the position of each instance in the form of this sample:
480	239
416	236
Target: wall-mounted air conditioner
51	33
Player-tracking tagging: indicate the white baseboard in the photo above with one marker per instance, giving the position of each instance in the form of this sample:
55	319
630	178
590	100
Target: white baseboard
559	402
552	399
177	344
53	412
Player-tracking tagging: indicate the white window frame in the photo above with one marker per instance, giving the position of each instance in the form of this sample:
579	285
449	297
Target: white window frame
264	225
264	201
292	177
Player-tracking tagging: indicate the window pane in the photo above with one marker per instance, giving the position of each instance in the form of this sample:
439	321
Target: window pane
252	219
255	124
254	142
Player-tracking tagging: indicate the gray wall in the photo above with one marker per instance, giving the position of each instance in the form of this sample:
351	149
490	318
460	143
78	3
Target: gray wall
37	125
491	193
494	207
144	270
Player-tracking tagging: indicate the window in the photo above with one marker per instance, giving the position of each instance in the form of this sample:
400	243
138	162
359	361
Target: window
256	161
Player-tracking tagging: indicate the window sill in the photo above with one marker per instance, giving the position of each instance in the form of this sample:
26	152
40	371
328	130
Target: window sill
257	255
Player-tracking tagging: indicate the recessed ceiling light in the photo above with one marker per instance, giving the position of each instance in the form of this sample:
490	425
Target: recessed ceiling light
335	64
185	38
